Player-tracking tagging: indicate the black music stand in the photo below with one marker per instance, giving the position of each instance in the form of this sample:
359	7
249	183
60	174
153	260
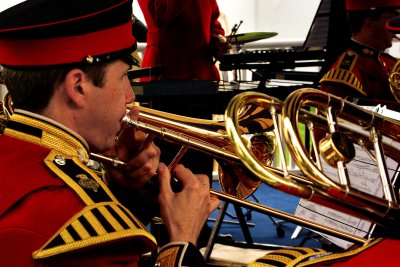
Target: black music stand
217	227
241	217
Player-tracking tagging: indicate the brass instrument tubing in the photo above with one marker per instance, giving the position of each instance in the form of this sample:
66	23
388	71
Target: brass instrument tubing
177	158
187	140
265	209
148	140
114	161
366	150
278	139
357	200
180	138
315	148
341	167
289	217
388	190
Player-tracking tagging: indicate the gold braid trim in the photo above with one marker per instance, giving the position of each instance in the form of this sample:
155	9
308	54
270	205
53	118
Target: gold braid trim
96	224
52	137
346	254
301	256
286	257
344	77
179	254
343	72
168	257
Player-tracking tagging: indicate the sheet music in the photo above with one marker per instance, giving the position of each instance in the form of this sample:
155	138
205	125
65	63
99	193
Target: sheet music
364	176
383	110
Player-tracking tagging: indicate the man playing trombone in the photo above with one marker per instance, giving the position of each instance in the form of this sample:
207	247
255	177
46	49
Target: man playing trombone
65	67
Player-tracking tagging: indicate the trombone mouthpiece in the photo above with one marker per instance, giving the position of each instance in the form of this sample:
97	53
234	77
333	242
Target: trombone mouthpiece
127	121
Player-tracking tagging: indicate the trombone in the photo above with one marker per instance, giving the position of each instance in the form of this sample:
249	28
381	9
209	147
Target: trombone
230	149
215	138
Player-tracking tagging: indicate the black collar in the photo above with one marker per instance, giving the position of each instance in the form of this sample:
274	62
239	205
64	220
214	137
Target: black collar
364	50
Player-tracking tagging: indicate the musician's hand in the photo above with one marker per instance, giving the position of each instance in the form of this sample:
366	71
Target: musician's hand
220	48
140	154
185	213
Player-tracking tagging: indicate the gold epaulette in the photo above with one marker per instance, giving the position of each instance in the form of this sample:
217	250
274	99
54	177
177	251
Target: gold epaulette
343	72
301	256
103	219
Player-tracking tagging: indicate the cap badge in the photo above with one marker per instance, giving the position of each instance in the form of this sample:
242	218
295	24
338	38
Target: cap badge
89	59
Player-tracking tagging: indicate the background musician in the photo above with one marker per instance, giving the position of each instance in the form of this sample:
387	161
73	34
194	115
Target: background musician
65	66
183	37
362	71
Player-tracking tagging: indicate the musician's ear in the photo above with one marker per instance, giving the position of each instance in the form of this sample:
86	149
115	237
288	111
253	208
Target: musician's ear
74	85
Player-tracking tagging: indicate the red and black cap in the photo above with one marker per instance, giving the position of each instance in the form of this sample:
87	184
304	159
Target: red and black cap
58	32
358	5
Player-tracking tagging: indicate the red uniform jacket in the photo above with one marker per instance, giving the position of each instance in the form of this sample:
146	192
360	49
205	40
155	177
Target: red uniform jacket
35	203
180	38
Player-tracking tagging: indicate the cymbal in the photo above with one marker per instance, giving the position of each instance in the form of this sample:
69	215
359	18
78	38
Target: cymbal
242	38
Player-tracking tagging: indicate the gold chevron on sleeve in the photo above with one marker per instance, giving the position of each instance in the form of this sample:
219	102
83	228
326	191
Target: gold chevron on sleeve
97	224
344	77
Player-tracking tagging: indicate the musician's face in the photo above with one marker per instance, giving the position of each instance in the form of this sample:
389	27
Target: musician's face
106	107
383	38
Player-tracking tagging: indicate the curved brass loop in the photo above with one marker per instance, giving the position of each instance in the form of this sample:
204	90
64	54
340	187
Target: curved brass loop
232	127
394	80
291	116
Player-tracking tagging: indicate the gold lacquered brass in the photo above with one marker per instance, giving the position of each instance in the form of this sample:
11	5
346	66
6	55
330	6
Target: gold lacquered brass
384	211
336	147
394	80
209	136
236	179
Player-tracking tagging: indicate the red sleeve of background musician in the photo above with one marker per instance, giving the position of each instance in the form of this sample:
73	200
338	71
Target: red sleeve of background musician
165	11
216	28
